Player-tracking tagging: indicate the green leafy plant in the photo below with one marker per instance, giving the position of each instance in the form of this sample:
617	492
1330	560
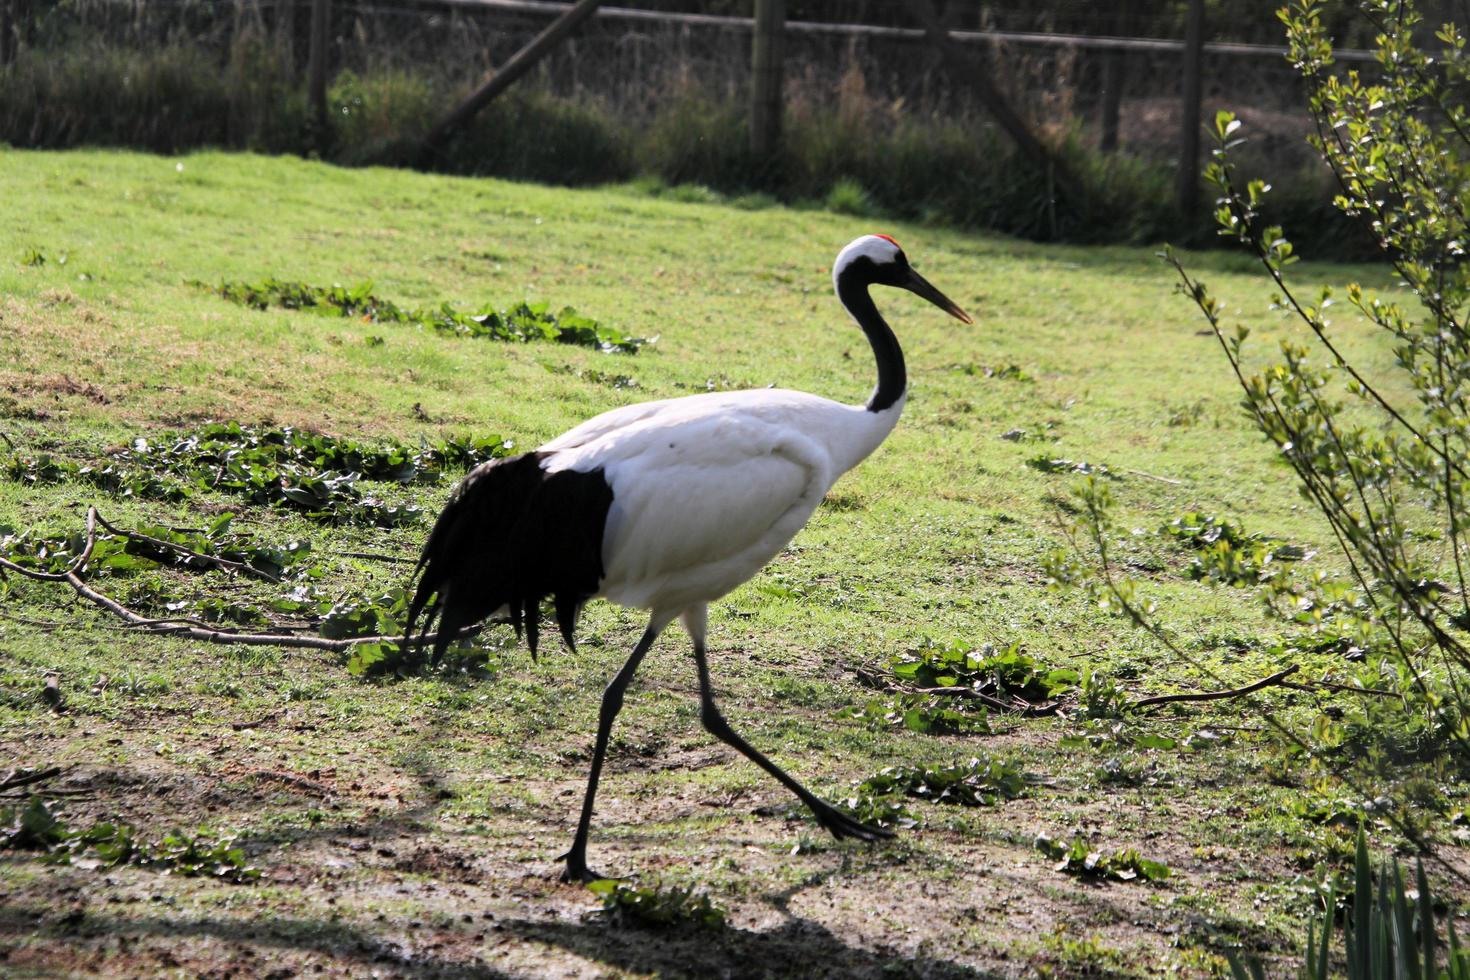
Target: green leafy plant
661	906
921	713
1003	372
313	474
617	382
847	196
1100	697
124	551
1389	477
978	781
522	322
1079	858
1049	464
36	826
1225	553
1004	673
1111	733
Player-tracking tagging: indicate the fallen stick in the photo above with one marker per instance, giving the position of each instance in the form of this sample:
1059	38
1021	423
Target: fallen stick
1276	678
207	634
245	639
373	556
871	678
18	778
1344	688
1016	707
241	726
1151	476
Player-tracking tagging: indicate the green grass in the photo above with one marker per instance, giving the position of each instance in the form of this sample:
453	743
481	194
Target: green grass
422	818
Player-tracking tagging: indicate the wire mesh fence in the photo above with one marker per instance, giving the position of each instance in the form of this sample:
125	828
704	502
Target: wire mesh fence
630	59
662	88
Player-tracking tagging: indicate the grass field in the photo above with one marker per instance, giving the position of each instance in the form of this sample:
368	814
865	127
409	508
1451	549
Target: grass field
412	826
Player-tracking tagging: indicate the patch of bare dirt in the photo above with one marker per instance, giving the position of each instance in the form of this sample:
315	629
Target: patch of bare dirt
57	386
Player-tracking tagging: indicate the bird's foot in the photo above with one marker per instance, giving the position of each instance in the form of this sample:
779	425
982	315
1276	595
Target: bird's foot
842	825
577	870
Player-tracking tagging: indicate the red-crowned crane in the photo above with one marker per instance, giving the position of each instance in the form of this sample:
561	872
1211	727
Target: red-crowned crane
665	506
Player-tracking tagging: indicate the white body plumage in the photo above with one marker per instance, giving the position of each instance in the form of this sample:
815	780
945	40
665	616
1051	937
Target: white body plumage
709	488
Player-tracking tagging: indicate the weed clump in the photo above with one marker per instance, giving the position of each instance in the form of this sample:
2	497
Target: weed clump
976	782
1081	859
521	323
37	827
627	905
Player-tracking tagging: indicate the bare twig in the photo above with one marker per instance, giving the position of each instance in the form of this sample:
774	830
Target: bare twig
198	632
1013	707
1151	476
20	778
291	779
395	559
1274	679
245	639
38	623
1344	688
241	726
873	679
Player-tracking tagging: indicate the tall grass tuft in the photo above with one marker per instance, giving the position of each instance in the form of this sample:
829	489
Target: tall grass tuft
1388	932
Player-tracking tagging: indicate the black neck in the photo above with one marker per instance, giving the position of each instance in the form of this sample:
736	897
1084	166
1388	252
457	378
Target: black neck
852	290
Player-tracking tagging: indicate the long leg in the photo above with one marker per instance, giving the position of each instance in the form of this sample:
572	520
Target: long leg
840	824
612	703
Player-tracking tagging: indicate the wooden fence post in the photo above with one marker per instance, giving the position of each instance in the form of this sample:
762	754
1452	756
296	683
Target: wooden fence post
285	41
1187	189
765	78
1113	75
498	81
7	31
316	67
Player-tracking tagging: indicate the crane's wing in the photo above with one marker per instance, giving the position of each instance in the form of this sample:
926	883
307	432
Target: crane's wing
700	504
609	421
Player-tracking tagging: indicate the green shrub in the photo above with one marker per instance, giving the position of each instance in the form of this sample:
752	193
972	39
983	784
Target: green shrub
530	135
695	139
372	115
847	196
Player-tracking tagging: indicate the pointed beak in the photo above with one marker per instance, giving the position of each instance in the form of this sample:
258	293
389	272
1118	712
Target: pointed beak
920	286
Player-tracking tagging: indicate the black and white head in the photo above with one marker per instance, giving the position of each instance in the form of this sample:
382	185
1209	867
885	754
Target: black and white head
878	259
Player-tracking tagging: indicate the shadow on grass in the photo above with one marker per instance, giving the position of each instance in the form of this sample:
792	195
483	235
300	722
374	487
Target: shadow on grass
359	952
798	948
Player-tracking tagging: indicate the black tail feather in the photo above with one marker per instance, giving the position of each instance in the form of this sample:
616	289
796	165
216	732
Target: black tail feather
566	618
510	536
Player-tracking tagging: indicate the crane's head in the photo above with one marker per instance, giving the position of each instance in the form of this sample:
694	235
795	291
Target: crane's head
879	259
